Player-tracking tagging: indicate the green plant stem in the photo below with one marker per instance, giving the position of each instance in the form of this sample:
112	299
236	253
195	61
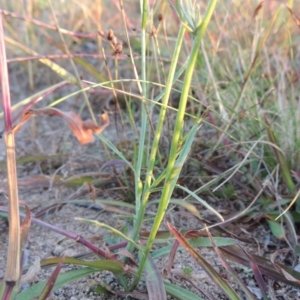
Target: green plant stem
157	136
165	100
173	170
141	148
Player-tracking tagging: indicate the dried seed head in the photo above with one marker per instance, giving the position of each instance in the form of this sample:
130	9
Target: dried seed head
160	17
114	41
119	49
110	35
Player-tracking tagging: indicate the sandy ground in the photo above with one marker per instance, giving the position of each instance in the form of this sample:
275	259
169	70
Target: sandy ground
43	243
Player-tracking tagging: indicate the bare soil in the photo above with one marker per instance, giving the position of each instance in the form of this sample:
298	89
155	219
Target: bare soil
43	243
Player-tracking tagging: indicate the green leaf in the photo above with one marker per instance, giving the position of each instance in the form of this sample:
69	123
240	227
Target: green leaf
286	174
62	279
99	289
2	289
179	292
196	242
277	229
113	266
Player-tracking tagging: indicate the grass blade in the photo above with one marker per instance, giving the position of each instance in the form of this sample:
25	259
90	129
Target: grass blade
113	266
197	242
230	270
62	279
154	281
286	174
206	266
49	286
100	224
267	268
179	292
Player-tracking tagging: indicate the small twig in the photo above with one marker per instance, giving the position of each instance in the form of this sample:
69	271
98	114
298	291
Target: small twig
42	24
69	234
14	237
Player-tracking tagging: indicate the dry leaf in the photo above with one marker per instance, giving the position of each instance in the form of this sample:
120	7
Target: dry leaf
83	130
257	9
92	190
23	120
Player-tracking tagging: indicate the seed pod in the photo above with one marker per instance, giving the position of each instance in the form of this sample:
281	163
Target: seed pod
119	49
114	41
110	35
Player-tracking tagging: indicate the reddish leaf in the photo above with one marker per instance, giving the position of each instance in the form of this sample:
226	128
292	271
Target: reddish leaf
172	256
211	272
49	286
92	190
267	268
229	269
257	274
188	234
23	120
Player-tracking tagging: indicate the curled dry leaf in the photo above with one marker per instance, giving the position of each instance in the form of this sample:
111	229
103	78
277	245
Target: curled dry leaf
92	190
83	130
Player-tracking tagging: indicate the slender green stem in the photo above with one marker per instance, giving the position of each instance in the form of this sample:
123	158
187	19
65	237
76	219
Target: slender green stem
141	148
173	170
167	92
157	135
